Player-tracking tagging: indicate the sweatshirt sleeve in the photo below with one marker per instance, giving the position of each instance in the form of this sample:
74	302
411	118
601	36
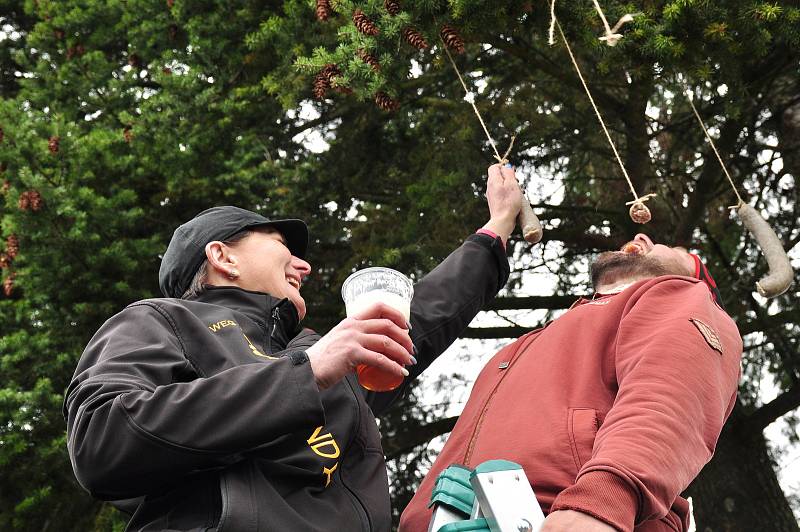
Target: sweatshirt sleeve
677	368
445	302
140	414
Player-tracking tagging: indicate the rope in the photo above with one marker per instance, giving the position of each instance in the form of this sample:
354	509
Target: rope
611	37
551	40
603	18
690	97
636	197
470	97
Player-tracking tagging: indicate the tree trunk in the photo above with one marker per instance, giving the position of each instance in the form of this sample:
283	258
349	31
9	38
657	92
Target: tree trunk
738	490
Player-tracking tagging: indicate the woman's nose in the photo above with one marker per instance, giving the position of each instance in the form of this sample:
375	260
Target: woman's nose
301	266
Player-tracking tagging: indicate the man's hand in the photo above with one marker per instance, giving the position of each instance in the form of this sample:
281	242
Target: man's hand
570	521
377	336
504	197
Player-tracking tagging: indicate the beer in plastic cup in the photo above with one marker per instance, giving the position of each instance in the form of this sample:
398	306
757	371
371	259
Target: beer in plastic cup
369	286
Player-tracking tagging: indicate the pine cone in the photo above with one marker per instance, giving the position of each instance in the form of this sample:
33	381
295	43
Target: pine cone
30	200
452	39
77	50
392	6
331	71
324	10
127	134
385	102
639	213
414	38
8	284
170	3
5	262
324	80
135	61
369	59
53	144
364	24
24	202
12	246
35	199
321	86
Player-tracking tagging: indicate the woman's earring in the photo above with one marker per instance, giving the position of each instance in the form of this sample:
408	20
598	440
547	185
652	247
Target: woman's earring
233	274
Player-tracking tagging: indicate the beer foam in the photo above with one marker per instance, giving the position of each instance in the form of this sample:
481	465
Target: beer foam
367	299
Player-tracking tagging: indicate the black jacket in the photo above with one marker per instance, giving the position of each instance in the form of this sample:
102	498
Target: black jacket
204	414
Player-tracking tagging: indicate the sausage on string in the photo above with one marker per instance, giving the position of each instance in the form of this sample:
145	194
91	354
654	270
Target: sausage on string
780	273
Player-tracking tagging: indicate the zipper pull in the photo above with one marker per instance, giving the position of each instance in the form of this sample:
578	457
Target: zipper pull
275	319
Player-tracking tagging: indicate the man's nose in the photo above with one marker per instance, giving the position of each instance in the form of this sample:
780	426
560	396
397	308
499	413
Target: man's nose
644	240
641	237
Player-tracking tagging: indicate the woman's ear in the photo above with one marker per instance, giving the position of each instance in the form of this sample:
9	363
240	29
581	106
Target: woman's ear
221	260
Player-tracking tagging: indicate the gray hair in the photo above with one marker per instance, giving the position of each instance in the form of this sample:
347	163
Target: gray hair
198	283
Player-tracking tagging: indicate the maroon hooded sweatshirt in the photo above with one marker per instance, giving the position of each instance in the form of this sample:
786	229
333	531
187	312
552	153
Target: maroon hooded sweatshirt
612	409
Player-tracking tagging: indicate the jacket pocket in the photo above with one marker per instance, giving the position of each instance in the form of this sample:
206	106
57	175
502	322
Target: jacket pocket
582	425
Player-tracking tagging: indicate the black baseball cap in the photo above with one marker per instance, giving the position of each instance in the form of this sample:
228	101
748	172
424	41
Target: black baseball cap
186	250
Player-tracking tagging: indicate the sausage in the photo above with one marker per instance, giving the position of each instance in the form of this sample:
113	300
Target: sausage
780	273
529	223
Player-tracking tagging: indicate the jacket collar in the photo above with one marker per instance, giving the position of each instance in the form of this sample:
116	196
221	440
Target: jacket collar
257	306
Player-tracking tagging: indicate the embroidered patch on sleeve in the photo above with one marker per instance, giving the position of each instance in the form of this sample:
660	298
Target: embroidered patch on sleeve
709	334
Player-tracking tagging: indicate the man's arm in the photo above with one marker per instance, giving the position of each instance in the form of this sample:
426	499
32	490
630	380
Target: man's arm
677	386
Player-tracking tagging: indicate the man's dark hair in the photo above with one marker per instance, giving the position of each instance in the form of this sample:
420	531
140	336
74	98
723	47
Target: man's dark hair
198	283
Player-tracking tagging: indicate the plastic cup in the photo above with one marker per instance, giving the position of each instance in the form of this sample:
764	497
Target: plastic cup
364	288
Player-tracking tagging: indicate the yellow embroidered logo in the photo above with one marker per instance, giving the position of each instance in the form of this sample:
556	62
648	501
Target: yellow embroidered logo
214	327
709	334
255	350
325	446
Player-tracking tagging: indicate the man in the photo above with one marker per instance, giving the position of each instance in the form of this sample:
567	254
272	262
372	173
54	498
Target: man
613	408
213	409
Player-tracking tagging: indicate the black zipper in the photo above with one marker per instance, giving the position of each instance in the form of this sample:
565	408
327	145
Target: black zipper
361	508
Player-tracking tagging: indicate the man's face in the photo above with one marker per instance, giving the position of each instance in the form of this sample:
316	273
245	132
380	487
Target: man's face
265	264
640	259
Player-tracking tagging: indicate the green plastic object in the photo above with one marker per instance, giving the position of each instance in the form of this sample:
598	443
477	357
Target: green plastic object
473	525
492	466
453	489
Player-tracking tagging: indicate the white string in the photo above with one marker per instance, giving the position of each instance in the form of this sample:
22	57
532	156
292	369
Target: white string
551	40
470	98
611	37
636	197
690	97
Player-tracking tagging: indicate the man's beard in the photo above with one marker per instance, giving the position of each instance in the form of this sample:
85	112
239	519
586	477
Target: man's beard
615	267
